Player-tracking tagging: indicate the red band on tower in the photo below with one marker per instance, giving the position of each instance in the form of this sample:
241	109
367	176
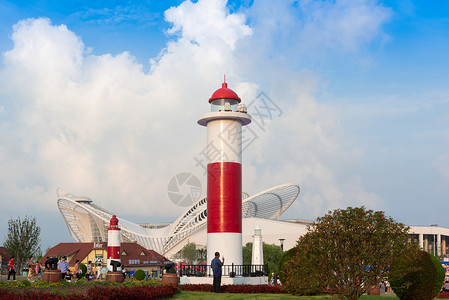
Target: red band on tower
224	197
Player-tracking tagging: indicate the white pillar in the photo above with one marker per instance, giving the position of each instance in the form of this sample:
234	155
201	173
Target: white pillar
421	241
438	245
443	245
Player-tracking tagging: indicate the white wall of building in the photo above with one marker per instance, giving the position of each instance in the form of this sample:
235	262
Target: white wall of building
272	231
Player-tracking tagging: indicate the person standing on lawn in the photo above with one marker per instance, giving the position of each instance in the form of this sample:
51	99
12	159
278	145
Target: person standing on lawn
63	266
216	265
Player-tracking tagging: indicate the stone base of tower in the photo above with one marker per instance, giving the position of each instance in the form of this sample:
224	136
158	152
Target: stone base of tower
114	277
225	280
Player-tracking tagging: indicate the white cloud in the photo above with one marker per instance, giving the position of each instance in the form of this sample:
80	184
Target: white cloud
101	127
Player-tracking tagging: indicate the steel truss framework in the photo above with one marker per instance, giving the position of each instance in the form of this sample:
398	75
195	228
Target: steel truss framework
88	222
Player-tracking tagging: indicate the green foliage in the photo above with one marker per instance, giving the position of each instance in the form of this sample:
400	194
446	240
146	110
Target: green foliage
347	251
38	254
283	260
83	268
26	283
271	256
420	283
247	251
201	254
23	239
140	275
188	252
441	274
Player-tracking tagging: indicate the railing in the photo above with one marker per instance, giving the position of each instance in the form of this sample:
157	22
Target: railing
227	270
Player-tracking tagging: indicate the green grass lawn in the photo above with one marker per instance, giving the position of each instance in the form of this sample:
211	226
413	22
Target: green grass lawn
204	295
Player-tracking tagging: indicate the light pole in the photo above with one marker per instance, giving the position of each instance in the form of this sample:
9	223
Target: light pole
282	246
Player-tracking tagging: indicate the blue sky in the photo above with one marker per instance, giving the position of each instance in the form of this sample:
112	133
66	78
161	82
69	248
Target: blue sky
363	87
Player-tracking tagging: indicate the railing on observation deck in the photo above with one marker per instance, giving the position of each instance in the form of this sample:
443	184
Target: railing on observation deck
227	270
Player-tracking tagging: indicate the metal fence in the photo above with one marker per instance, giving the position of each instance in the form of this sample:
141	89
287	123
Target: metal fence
227	270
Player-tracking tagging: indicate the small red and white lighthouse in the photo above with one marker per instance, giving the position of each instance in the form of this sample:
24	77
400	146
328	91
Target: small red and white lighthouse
224	174
113	243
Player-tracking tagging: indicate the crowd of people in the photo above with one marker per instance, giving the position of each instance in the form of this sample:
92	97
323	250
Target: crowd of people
36	269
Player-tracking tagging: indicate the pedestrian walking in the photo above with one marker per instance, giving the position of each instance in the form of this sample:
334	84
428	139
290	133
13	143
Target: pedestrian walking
99	272
11	270
31	269
216	265
89	270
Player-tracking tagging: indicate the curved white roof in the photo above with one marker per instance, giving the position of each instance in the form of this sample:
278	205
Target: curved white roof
88	222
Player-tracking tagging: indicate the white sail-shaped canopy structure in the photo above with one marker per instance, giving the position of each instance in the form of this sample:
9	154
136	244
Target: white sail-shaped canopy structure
88	222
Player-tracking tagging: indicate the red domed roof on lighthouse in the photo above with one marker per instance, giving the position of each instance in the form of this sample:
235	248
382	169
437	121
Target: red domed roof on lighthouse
224	92
113	223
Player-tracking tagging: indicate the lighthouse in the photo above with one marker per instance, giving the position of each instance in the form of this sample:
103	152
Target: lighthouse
113	243
224	174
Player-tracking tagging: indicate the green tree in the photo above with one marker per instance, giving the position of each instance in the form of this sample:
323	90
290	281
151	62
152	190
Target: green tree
188	252
247	251
201	254
347	251
38	254
23	239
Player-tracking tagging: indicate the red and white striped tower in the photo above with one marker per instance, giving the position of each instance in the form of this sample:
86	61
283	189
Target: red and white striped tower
224	174
113	242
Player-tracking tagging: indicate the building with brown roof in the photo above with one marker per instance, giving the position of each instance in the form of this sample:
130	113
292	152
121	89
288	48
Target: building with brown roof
133	256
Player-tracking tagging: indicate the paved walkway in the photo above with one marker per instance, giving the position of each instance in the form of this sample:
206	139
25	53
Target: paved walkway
18	278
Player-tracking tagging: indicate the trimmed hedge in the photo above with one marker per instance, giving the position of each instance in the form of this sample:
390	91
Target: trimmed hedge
140	275
441	274
135	292
83	269
422	283
100	292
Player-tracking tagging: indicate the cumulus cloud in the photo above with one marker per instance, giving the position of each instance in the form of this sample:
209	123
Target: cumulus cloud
100	126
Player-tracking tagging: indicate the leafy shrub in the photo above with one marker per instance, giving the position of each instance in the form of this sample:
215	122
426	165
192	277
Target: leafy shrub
140	275
83	269
284	259
347	251
25	283
444	295
419	283
441	274
85	291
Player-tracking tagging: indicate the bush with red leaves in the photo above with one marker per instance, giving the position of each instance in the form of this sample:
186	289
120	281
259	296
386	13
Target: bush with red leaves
96	292
131	293
196	287
444	295
6	294
237	289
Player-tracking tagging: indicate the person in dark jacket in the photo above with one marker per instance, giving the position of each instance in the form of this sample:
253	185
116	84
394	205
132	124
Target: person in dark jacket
216	265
